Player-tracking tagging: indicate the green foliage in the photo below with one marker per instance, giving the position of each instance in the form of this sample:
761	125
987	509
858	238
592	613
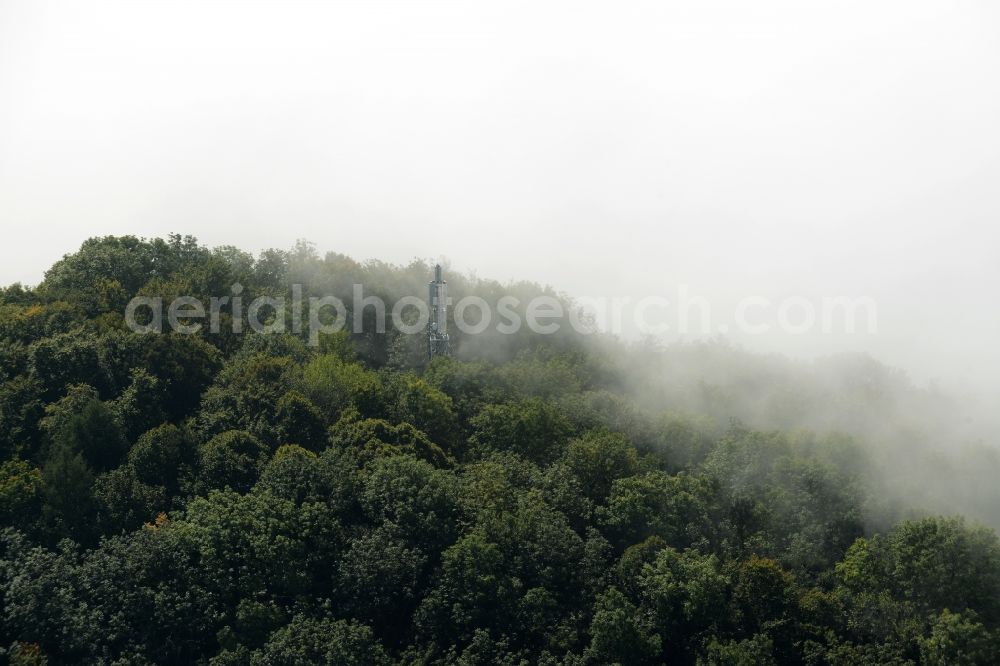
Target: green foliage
755	651
955	639
324	642
66	493
764	592
163	456
31	320
68	358
557	500
472	591
21	409
232	459
126	260
685	593
598	459
185	366
675	508
784	499
126	502
299	475
60	413
245	544
412	400
334	385
299	421
620	634
20	492
532	428
932	563
95	434
471	385
141	406
160	461
380	579
372	438
245	396
421	502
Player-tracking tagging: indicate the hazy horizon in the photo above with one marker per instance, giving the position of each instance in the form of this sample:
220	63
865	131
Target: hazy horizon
774	150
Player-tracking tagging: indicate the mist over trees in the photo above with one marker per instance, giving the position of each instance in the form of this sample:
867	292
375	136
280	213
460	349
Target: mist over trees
565	499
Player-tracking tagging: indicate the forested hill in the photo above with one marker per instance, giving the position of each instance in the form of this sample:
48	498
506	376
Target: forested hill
243	497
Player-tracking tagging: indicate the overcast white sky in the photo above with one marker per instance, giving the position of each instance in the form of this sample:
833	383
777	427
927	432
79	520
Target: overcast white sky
740	148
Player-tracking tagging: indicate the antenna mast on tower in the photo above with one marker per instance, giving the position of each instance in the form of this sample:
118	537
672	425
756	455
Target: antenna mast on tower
437	328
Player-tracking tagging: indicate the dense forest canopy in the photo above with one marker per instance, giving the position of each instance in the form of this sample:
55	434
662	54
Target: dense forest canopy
249	498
